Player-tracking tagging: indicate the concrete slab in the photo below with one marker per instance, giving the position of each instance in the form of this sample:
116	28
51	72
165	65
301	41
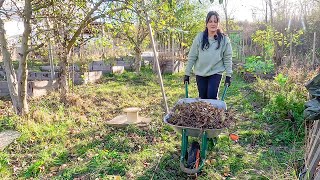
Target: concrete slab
7	137
122	121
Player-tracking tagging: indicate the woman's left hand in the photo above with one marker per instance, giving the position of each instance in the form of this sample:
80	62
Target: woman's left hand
227	81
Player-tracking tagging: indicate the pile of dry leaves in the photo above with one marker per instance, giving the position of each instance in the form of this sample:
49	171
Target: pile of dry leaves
200	115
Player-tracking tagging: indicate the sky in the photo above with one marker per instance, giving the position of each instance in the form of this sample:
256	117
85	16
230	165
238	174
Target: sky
240	9
13	27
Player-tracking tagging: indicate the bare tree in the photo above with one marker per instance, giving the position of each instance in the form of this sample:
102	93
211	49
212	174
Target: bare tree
225	10
271	11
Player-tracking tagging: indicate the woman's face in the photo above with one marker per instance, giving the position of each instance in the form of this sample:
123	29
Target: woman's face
213	24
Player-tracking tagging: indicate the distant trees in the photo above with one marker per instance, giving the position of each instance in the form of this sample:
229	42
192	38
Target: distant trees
288	30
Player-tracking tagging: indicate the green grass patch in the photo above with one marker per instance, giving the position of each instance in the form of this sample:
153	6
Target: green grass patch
73	141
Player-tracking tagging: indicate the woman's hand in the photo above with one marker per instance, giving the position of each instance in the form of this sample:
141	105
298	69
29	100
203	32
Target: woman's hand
227	82
186	79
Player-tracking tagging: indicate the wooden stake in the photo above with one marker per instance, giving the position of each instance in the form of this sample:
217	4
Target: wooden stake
156	61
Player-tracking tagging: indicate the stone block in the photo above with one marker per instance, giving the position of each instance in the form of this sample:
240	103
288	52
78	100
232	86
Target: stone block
117	69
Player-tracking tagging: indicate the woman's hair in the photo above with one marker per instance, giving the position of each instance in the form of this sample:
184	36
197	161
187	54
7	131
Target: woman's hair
219	37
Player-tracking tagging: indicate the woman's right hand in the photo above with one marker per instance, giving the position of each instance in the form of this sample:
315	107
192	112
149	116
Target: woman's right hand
186	79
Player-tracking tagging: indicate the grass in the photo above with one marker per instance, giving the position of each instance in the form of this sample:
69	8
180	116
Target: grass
74	141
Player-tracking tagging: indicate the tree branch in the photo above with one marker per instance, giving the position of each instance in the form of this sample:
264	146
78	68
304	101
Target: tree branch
87	21
131	39
18	10
120	20
1	3
35	48
47	4
84	23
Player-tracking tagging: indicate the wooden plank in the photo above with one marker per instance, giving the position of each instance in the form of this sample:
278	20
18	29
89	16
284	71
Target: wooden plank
315	141
314	155
314	163
308	137
312	134
315	130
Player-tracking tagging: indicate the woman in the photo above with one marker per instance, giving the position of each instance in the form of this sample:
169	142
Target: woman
211	55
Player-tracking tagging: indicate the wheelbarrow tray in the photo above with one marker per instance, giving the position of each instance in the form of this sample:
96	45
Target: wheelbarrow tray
197	132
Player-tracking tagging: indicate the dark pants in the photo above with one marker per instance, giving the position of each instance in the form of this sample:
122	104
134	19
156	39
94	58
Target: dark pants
208	86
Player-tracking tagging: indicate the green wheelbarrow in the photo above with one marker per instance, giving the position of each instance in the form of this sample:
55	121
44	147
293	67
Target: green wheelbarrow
196	157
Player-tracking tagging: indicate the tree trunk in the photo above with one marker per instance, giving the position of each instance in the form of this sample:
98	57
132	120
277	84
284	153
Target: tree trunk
10	73
225	9
22	72
138	59
50	53
271	11
64	76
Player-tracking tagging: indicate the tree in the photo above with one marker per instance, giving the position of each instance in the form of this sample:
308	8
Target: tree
226	15
17	83
130	26
69	19
271	11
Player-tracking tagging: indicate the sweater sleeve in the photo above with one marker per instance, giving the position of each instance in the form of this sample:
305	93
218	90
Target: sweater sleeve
227	57
193	55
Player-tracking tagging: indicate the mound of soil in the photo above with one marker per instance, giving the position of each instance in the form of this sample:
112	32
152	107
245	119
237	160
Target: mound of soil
200	115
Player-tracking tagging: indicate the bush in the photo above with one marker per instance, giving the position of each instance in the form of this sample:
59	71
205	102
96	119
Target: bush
283	108
254	64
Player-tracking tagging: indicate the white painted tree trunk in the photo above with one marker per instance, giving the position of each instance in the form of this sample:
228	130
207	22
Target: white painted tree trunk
17	84
10	73
138	59
22	71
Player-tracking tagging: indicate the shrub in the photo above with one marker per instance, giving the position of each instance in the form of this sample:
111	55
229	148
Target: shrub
283	108
254	64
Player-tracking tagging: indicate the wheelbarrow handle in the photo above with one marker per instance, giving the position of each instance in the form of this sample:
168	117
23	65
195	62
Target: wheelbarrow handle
186	88
224	92
223	95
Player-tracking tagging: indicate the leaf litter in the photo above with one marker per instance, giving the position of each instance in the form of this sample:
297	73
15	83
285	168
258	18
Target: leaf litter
201	115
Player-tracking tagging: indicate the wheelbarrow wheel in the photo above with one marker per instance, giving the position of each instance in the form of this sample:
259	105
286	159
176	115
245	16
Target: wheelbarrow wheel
193	155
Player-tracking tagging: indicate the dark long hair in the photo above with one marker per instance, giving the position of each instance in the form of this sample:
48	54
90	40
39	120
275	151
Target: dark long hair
219	37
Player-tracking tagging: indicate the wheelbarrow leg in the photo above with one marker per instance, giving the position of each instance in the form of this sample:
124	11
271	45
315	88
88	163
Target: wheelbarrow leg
204	145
